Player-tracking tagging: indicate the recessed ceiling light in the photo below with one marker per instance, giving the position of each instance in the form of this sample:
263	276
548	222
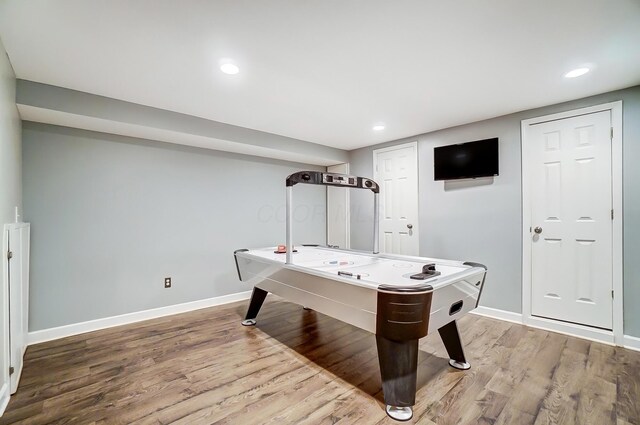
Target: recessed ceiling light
378	127
229	68
576	72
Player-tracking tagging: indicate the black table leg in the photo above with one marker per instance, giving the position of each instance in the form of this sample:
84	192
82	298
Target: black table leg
257	298
451	339
398	369
402	319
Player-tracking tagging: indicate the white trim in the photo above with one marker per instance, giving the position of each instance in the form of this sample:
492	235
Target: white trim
574	112
396	147
617	335
15	226
124	319
526	225
5	387
494	313
571	329
4	397
632	342
579	331
414	144
618	230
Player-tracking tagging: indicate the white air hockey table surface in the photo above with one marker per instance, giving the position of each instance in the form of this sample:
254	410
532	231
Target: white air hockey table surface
345	284
373	270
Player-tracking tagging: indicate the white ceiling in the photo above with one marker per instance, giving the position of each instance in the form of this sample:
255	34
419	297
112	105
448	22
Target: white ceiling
327	71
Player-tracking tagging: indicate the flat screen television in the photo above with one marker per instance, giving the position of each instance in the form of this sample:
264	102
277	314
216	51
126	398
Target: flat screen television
466	160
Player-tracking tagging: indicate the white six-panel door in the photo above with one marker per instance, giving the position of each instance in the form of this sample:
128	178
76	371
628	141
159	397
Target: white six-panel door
571	217
396	171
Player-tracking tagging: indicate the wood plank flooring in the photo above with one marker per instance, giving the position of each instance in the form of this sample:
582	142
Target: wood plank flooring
301	367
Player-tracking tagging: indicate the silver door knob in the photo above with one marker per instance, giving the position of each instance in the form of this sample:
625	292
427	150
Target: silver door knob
538	230
409	226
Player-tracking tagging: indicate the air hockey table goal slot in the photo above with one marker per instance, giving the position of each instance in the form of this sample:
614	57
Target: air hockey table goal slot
456	307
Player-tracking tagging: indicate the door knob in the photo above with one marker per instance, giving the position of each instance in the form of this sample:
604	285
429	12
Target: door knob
409	226
538	230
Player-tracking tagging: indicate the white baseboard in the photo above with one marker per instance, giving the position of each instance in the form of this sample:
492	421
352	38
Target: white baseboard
124	319
4	397
571	329
631	342
494	313
585	332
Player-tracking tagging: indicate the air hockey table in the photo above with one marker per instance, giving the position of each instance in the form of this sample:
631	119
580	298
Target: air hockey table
398	298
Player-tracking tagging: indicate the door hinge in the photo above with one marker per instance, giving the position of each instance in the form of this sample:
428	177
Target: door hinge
612	293
9	255
611	214
611	133
11	370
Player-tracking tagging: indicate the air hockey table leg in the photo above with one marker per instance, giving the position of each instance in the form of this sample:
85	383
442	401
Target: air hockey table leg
257	298
451	339
398	369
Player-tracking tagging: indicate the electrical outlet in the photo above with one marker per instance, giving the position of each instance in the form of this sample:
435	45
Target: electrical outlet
167	282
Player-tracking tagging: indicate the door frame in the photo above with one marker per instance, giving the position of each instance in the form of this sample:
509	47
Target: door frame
414	144
615	336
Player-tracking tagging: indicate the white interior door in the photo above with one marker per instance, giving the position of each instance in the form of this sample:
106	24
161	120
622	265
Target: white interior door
396	171
18	298
338	233
571	237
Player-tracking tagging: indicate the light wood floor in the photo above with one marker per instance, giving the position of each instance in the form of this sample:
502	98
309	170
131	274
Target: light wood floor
302	367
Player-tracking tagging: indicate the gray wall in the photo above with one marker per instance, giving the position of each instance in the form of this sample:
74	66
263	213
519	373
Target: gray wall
10	182
481	220
112	216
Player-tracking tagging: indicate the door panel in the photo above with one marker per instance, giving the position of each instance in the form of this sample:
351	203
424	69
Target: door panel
396	171
572	268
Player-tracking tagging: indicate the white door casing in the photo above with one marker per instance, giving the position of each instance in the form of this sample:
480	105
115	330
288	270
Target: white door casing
338	233
572	193
396	171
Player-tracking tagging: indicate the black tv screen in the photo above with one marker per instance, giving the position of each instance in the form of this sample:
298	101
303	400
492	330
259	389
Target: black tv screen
466	160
